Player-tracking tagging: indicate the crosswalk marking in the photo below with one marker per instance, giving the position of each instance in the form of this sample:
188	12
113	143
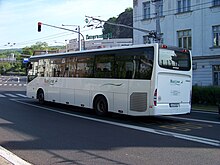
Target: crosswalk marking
21	95
20	85
2	95
13	95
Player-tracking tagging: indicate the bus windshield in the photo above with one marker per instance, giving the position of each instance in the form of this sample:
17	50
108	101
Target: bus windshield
174	59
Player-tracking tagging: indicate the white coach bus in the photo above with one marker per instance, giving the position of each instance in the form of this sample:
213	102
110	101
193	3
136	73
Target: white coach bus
138	80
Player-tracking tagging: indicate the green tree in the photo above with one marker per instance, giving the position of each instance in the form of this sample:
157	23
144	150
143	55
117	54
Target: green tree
125	18
110	28
29	50
4	67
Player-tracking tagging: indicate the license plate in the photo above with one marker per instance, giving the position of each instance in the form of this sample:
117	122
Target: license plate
174	104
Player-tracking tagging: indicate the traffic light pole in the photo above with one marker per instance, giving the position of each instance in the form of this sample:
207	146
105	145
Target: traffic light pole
57	27
152	34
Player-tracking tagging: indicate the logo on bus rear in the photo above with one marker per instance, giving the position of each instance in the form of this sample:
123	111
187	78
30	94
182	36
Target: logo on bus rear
175	82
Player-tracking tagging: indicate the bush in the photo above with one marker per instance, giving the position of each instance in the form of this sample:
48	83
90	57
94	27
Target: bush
206	95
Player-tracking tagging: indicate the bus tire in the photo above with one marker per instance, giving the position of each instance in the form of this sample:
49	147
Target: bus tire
101	106
40	96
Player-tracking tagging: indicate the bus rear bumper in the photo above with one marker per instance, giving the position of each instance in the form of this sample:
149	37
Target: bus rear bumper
167	109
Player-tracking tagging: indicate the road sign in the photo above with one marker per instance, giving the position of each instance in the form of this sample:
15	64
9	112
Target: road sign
25	60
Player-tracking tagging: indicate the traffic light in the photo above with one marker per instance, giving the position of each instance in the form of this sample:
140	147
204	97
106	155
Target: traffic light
39	27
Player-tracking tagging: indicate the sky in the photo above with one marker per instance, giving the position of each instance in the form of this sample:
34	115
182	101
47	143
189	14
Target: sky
19	18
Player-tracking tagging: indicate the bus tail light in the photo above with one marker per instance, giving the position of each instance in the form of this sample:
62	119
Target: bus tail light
185	51
164	46
155	97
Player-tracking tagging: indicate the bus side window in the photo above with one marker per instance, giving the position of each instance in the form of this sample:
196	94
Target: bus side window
84	67
124	67
144	68
104	66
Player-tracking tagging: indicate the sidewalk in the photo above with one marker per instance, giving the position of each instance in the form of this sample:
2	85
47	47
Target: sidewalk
3	161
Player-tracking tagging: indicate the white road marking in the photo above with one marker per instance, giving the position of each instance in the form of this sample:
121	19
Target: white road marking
13	85
206	112
2	95
10	95
14	159
139	128
21	95
14	95
196	120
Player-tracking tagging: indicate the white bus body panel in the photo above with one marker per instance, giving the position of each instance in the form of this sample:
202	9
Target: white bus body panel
82	91
139	104
173	94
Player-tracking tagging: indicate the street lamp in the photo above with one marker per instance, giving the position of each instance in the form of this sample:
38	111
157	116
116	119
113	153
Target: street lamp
79	33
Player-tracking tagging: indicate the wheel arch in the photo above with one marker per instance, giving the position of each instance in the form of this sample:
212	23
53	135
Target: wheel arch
98	95
38	91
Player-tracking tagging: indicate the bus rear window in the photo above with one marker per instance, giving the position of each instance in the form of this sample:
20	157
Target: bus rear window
176	60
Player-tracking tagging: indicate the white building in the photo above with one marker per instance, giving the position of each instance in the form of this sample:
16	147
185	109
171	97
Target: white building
192	24
96	44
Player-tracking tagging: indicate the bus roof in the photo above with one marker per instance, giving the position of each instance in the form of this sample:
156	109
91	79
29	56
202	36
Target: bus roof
86	52
103	50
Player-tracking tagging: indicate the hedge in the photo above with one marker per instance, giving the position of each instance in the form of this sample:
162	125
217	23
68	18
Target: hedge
206	95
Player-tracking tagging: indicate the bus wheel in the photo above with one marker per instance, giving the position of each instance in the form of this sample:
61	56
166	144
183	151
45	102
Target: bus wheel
101	106
40	96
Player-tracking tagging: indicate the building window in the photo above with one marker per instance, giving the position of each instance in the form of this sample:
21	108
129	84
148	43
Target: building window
161	8
216	36
146	10
216	75
183	6
216	2
185	39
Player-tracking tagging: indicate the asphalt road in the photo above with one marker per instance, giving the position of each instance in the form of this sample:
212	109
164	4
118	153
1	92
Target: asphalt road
57	134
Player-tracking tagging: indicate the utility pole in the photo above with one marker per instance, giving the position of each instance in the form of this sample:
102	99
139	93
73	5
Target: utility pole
39	30
79	40
157	12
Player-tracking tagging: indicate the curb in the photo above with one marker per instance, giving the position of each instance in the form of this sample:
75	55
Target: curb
4	161
8	158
